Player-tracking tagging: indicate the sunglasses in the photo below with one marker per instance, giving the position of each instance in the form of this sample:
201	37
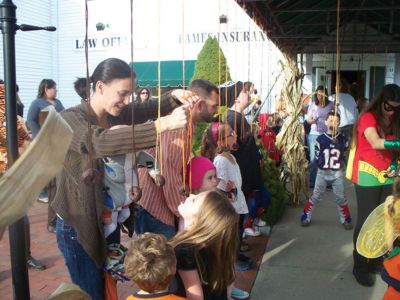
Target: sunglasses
388	107
144	93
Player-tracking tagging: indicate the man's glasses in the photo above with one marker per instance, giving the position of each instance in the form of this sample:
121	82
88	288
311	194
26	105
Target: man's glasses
388	107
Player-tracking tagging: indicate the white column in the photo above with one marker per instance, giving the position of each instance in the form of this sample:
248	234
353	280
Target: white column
307	83
397	68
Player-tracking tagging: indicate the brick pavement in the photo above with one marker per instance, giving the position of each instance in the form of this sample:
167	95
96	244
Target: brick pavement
44	248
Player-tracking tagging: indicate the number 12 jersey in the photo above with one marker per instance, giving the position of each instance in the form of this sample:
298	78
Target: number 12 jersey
329	151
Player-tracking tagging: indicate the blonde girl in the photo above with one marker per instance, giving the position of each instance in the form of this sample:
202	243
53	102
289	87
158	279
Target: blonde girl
209	234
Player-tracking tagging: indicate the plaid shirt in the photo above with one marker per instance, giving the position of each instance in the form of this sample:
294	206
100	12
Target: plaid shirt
162	202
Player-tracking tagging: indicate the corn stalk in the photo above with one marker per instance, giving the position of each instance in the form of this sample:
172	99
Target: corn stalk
289	139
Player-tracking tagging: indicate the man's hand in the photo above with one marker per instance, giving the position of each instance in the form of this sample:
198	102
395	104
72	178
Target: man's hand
187	98
177	119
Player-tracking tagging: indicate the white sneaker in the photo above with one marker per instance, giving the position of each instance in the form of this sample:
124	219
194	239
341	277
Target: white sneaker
260	223
239	294
251	232
43	199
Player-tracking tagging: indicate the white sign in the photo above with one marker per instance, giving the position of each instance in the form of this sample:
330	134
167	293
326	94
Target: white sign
102	43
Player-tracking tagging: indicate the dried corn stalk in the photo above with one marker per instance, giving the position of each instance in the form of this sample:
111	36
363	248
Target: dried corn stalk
289	139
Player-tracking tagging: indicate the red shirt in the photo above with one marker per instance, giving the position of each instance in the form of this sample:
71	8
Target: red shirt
380	159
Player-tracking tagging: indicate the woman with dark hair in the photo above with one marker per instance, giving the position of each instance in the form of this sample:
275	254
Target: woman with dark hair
143	95
80	191
46	96
376	136
319	109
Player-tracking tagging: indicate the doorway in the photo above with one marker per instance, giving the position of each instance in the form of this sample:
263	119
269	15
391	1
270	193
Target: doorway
356	80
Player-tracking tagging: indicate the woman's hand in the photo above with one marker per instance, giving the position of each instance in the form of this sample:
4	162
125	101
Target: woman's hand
229	186
187	98
311	120
119	127
177	119
390	172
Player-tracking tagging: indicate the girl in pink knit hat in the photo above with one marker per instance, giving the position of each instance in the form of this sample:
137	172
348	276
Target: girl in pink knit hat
202	176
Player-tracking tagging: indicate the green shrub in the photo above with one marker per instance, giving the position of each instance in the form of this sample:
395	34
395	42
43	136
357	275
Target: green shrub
279	195
207	68
207	63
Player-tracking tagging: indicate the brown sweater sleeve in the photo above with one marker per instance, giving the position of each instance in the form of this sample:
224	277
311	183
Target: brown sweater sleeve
107	142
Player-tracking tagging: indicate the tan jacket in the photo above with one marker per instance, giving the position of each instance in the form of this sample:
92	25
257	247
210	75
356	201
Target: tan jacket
81	205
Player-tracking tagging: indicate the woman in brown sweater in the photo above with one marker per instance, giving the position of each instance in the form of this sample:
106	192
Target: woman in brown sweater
79	205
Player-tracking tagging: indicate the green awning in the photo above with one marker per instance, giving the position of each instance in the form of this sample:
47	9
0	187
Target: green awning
171	73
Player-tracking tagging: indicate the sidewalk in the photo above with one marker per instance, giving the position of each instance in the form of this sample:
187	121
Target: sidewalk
315	262
44	248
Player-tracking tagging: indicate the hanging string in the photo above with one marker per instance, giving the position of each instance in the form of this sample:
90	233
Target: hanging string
235	97
188	134
134	170
385	63
374	80
226	77
248	78
325	58
88	176
159	152
183	87
254	24
337	100
219	143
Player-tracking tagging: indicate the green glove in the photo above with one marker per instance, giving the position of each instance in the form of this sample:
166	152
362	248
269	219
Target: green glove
393	165
391	144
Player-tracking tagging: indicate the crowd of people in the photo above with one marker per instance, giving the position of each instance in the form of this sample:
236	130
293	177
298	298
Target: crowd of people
366	139
205	204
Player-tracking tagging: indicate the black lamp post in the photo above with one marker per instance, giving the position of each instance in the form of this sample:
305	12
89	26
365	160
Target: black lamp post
8	26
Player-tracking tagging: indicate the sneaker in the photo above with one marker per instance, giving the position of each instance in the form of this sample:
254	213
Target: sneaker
35	264
43	199
250	231
260	223
347	225
239	294
241	266
51	229
363	277
244	259
305	223
244	247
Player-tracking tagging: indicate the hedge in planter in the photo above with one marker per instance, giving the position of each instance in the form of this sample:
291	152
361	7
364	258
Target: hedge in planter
275	186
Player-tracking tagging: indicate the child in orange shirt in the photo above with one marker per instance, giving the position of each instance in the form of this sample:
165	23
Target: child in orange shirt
151	264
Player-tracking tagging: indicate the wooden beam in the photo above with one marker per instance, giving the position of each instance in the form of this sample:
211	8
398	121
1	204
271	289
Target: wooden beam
332	9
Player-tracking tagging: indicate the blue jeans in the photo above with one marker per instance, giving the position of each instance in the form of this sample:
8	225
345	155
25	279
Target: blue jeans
81	267
261	199
145	222
313	167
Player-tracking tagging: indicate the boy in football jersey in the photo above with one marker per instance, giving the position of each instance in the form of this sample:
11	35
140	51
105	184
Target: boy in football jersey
329	153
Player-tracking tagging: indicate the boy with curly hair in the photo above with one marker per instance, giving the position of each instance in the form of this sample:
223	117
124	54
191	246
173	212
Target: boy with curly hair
150	263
